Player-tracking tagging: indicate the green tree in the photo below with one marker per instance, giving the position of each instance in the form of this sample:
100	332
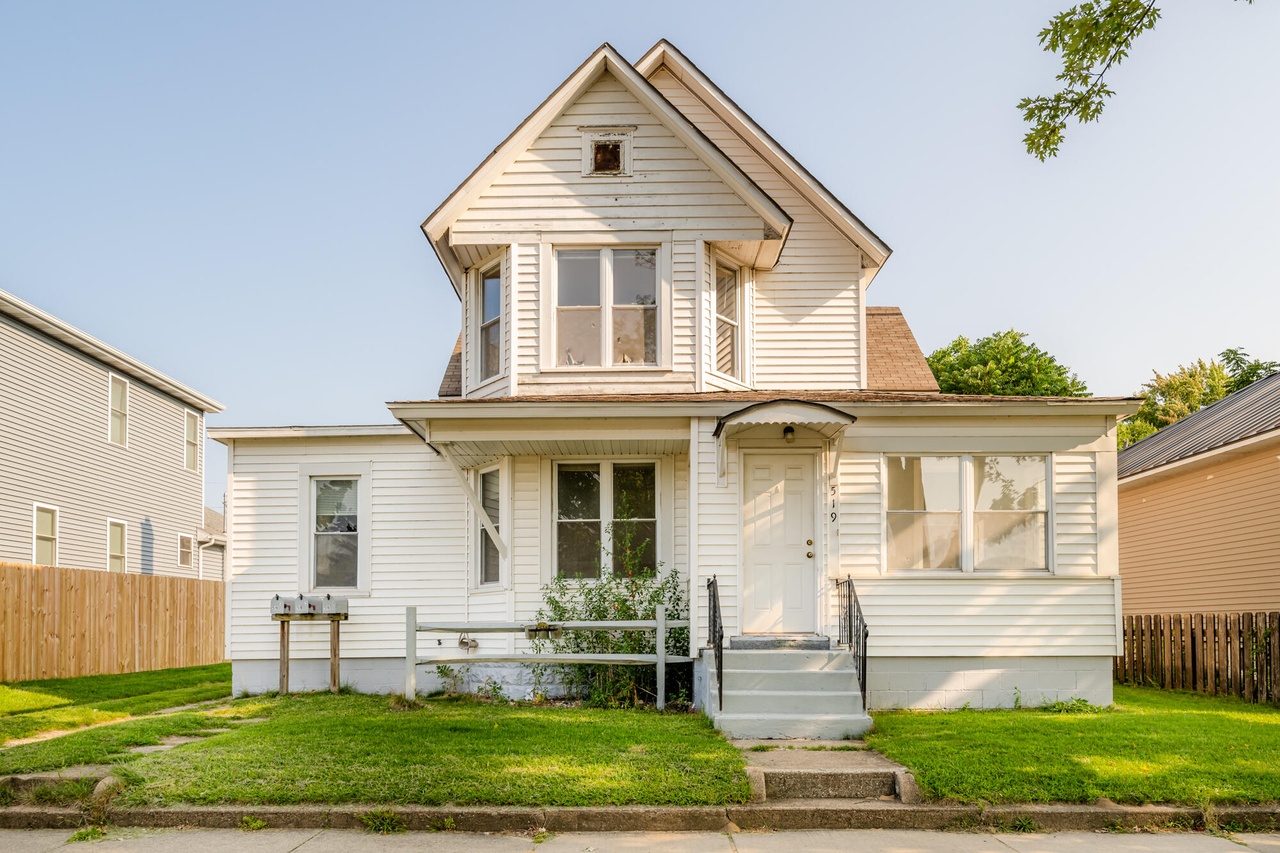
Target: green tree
1003	363
1243	370
1090	38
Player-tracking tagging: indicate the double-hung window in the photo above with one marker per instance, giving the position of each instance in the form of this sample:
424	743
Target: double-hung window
116	541
607	306
489	300
967	512
336	537
118	412
491	499
44	546
186	552
606	515
191	441
728	324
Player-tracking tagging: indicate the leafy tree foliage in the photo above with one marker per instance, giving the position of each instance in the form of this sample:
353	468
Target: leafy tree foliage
1003	363
1090	38
1169	397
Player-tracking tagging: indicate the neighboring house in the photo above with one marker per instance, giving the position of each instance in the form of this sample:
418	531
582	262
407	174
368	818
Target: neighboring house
664	326
1200	509
102	456
213	545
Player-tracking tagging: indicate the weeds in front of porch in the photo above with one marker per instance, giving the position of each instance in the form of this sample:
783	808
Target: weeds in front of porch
382	821
452	677
1153	746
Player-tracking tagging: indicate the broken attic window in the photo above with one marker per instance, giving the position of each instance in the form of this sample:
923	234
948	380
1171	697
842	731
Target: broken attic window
606	157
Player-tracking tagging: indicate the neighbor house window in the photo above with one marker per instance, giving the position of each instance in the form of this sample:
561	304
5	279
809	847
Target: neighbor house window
118	428
191	442
967	512
491	500
489	292
336	538
606	514
116	542
607	306
727	319
45	544
606	151
186	550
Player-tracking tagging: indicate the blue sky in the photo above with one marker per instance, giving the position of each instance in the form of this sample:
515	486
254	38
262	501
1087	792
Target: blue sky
232	191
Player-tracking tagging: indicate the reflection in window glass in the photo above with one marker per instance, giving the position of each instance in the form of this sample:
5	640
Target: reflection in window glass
923	512
1010	516
635	306
337	536
578	526
578	316
491	323
726	320
634	532
491	500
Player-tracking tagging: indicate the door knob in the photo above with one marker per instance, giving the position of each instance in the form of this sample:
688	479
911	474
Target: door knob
809	554
808	541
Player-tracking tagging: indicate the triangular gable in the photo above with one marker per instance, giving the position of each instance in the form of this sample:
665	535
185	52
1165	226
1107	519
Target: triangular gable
875	250
604	60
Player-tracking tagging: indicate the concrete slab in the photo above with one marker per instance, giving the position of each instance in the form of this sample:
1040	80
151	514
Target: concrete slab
1118	842
867	841
798	757
185	840
627	842
1266	843
32	840
348	840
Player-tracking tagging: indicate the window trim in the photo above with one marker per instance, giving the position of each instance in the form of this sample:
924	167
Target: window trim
35	528
660	508
186	415
502	523
191	551
479	324
124	564
739	358
968	528
591	134
111	380
307	474
550	333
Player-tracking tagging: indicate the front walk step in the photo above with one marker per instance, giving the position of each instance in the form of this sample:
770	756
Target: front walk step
824	770
802	642
789	693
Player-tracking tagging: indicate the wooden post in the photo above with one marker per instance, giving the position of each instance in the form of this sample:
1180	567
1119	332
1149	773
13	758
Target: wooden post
662	656
334	655
284	656
410	653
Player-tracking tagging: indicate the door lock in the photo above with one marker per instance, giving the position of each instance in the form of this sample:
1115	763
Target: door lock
808	541
810	554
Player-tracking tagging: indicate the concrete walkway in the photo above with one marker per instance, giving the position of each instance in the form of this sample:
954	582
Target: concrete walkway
843	841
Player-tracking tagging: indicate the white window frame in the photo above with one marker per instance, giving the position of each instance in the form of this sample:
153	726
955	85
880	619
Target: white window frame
191	551
739	357
503	524
660	509
187	414
968	527
591	134
35	528
550	331
307	474
124	565
112	378
479	322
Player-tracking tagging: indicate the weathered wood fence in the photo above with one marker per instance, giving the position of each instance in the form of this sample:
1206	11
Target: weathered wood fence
1229	654
60	622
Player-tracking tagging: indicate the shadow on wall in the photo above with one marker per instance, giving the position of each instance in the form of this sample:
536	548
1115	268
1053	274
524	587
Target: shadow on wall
148	547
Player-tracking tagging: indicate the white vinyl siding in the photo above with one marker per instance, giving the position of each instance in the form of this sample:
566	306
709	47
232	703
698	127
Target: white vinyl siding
54	451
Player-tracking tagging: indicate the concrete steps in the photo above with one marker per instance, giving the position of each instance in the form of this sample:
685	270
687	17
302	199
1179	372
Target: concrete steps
789	693
823	771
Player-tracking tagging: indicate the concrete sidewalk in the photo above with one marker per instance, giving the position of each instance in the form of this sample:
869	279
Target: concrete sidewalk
840	841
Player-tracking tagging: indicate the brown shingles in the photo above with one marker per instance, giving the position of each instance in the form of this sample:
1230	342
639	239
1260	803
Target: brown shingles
451	382
894	359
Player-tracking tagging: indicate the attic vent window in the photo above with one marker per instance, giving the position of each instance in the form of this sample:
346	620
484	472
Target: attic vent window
606	151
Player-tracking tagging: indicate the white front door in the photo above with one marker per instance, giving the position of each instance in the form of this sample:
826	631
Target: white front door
780	558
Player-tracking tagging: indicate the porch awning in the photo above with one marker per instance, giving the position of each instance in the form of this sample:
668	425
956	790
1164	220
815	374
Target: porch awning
828	422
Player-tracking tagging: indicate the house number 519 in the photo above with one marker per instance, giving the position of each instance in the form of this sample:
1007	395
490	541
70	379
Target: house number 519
834	498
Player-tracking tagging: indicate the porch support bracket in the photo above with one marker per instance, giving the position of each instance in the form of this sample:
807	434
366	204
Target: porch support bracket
442	450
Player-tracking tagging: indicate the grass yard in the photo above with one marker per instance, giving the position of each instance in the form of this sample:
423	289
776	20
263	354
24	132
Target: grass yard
30	708
321	748
1154	746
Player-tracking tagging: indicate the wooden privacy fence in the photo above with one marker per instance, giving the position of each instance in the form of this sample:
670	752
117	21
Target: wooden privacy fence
59	622
1230	654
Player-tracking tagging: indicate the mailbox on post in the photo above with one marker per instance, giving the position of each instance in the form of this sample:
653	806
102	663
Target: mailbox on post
309	608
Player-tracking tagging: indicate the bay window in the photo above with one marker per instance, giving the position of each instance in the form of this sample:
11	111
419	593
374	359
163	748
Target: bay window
968	513
490	568
606	514
727	320
489	300
606	307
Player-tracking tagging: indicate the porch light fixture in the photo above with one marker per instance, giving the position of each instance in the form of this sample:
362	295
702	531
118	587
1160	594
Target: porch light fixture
789	434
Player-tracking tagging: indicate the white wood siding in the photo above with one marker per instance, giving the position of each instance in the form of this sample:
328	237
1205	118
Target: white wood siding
669	188
806	309
529	320
54	451
1075	513
861	515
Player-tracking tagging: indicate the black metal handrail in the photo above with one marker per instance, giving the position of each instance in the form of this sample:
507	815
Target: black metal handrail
853	630
715	633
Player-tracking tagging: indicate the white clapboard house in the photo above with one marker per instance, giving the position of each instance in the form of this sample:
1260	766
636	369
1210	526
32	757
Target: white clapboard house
664	323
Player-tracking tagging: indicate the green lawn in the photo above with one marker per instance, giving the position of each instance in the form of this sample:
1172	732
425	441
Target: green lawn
1154	746
321	748
29	708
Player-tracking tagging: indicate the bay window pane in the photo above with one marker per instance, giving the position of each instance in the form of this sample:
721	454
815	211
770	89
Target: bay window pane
1009	482
578	278
924	540
491	349
635	276
635	335
924	483
578	549
491	294
578	336
491	500
578	492
727	292
1009	540
726	347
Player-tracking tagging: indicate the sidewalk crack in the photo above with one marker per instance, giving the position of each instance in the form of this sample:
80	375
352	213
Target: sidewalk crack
307	840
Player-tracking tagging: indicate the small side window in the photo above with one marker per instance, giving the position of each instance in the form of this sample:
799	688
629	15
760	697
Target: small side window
186	546
118	412
491	500
116	540
191	446
45	545
336	537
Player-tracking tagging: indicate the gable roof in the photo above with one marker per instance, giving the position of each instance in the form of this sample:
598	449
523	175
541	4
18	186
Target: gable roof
1249	412
664	53
895	361
604	60
68	335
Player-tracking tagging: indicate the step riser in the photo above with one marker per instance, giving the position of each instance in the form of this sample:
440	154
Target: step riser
788	660
803	680
826	784
799	643
792	703
767	727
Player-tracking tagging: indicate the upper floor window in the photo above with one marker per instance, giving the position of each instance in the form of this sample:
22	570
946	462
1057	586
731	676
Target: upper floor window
728	334
186	552
489	300
118	406
116	542
491	499
606	151
607	306
44	546
1002	524
191	441
606	514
